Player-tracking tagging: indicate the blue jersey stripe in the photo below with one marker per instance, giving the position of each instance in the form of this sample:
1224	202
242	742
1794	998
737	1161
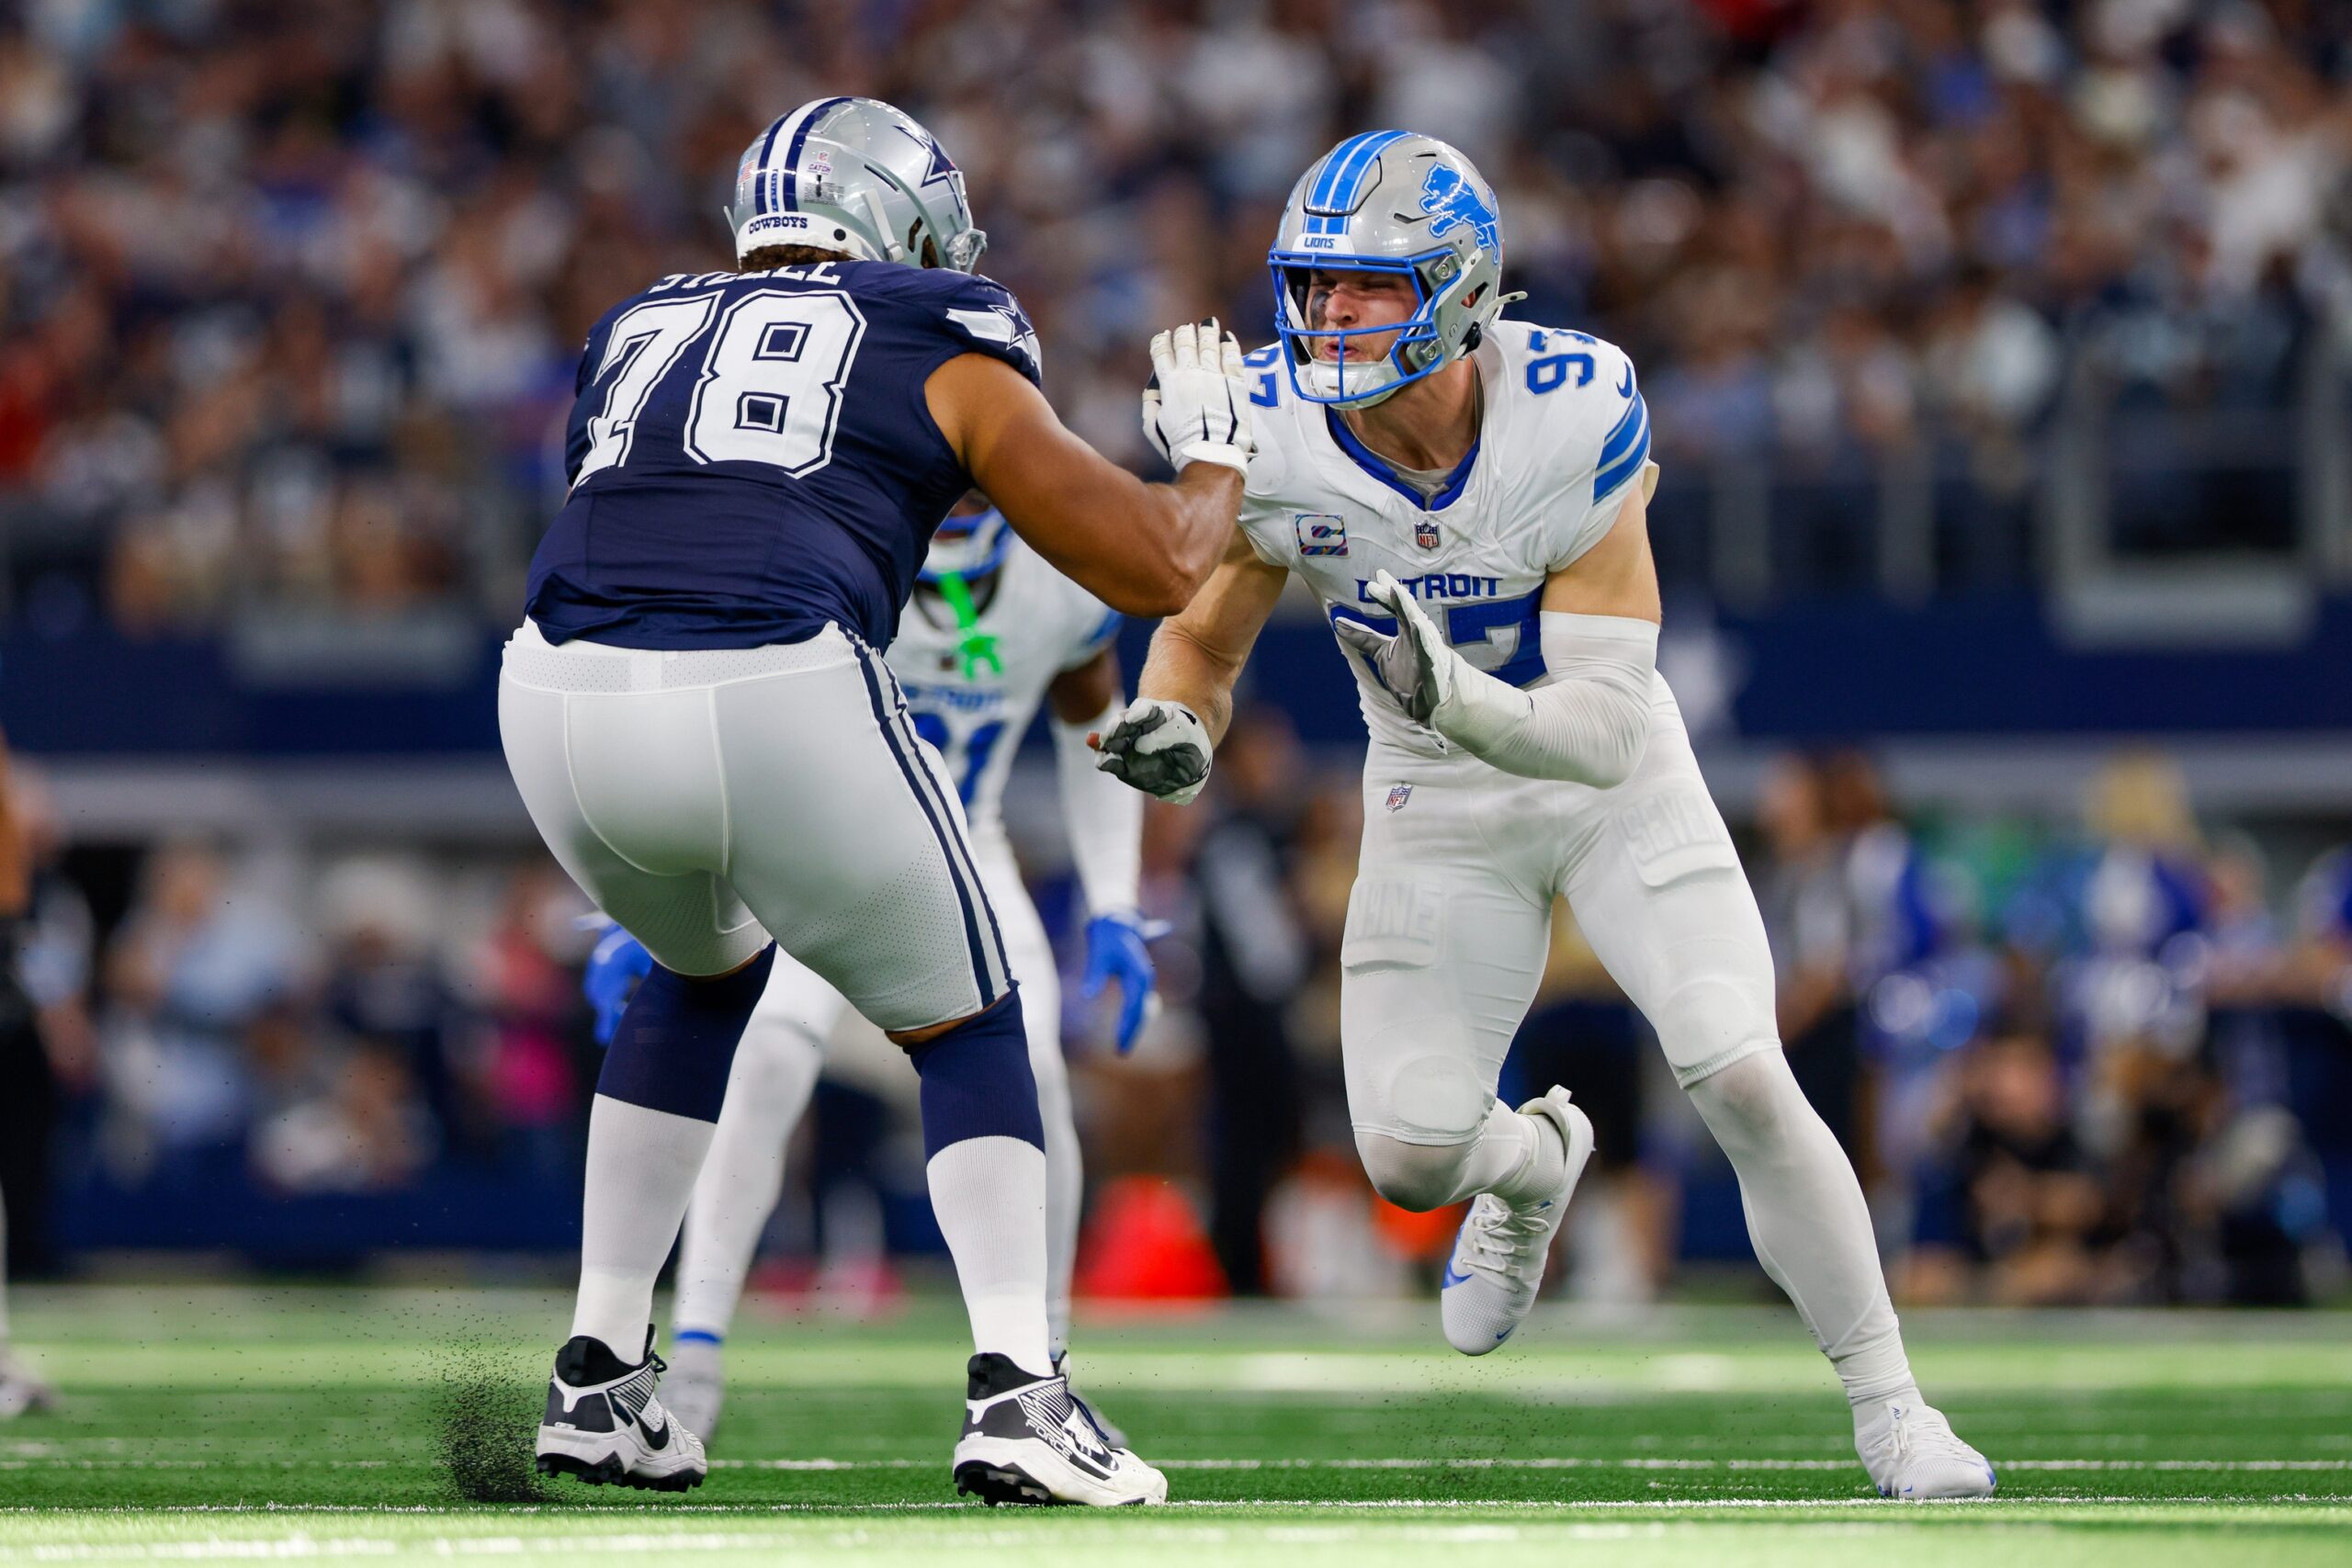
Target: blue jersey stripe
1626	465
1629	425
816	112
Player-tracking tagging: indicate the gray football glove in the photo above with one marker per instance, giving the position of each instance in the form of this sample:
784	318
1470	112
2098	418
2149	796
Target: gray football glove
1160	748
1416	666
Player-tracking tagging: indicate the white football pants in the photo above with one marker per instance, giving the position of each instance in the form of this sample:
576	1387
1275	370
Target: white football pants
709	800
1450	924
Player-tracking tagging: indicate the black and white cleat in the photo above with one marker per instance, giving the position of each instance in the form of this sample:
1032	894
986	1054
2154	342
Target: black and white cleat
605	1426
1110	1428
1028	1440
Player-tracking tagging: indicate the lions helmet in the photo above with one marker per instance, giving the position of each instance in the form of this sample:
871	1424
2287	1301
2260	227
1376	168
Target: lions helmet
1388	201
968	545
858	177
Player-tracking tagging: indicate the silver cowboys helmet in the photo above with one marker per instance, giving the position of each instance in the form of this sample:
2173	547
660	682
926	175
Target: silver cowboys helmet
1387	201
858	177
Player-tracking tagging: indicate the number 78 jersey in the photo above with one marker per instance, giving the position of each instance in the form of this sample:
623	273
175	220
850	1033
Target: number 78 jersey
752	455
1565	434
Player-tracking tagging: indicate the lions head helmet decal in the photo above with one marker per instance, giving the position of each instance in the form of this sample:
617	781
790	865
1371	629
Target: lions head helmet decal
1396	202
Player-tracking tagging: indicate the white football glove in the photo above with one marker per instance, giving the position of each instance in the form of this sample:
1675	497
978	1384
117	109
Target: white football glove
1417	667
1196	408
1160	748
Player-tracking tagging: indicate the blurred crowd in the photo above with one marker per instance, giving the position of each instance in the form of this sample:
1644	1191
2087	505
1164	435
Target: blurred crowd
2099	1061
291	293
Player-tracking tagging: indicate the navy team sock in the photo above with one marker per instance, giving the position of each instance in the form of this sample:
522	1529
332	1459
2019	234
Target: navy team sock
677	1039
976	1082
986	1144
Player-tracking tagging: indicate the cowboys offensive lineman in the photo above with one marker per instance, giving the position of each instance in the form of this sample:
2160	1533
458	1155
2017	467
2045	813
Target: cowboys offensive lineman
992	633
1467	496
699	723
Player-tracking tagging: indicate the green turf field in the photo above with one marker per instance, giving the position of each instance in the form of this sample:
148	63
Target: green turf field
224	1423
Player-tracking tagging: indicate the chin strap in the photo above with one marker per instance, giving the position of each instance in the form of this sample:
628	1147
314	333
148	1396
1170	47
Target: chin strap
978	646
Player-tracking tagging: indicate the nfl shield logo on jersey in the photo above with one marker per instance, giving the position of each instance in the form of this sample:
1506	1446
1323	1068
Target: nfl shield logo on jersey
1425	533
1320	534
1399	794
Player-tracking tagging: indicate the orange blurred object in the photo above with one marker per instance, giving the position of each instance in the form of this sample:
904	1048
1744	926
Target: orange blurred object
1416	1235
1146	1243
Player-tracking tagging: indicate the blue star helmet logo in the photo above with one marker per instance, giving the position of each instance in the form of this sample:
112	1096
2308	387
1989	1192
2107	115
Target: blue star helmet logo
941	166
1454	201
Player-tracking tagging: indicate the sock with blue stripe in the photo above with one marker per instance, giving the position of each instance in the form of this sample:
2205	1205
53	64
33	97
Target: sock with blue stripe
986	1162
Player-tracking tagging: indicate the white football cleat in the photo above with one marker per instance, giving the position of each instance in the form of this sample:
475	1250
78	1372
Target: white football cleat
1498	1262
1029	1439
20	1391
605	1426
696	1383
1912	1453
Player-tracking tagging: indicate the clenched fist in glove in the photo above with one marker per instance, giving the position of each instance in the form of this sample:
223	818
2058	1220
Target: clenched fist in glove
1160	748
1196	409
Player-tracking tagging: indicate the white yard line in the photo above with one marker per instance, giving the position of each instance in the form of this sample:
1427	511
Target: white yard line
69	1461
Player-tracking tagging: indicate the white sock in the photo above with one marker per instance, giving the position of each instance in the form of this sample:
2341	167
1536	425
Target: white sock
1524	1152
767	1091
989	1197
1065	1183
1805	1215
641	1168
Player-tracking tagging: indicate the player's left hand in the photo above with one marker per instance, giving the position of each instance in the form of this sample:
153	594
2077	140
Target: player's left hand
1416	666
615	966
1116	950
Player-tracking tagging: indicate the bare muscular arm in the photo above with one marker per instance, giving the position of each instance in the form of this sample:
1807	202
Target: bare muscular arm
1197	655
1143	550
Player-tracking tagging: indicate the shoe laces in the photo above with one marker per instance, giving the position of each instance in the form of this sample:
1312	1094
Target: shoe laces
1500	1236
1921	1432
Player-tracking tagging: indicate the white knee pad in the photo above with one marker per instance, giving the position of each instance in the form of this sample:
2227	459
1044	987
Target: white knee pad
1419	1177
1753	1105
1716	1008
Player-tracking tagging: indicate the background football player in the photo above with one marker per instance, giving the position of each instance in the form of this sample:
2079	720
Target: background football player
1467	497
699	725
992	633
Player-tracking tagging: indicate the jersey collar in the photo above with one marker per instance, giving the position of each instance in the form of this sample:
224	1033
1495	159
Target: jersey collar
1380	468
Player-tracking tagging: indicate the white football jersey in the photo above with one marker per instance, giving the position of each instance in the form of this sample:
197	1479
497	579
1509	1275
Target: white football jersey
1044	624
1565	433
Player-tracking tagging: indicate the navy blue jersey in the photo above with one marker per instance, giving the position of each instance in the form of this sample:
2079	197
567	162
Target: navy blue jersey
751	456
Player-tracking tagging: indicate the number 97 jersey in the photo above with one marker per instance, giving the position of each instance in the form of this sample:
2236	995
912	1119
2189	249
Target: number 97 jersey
1564	437
752	455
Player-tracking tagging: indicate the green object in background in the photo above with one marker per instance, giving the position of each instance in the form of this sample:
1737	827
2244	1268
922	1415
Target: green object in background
979	647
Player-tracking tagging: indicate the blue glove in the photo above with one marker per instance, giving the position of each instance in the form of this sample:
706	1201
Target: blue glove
1116	951
614	969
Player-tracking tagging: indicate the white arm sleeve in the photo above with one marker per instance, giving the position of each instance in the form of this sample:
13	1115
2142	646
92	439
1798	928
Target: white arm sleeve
1105	817
1587	721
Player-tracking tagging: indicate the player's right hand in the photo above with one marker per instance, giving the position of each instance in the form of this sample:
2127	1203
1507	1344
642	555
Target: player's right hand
1158	747
1196	408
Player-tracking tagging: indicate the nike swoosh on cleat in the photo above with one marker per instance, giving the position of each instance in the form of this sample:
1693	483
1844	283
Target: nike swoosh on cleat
1448	1280
656	1438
